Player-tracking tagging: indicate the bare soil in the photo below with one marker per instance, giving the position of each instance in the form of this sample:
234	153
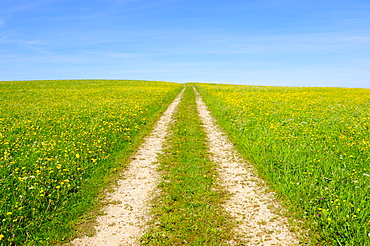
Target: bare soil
250	205
127	214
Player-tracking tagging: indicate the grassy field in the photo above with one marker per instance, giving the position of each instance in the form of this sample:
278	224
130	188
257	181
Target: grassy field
60	144
311	145
63	142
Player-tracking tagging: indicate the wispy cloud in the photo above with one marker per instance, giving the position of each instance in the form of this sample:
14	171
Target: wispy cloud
354	20
177	40
122	55
123	2
4	38
24	7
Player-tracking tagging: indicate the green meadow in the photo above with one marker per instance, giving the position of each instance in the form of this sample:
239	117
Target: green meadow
312	145
63	142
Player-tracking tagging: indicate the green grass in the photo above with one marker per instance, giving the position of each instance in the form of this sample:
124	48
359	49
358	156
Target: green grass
61	144
312	145
188	210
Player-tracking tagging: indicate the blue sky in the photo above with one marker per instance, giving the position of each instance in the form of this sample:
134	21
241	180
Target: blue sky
256	42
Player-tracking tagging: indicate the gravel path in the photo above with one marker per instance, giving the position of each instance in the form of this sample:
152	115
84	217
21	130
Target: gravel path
127	214
250	203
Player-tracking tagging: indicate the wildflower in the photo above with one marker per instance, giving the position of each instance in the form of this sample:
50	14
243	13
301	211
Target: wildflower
1	237
319	215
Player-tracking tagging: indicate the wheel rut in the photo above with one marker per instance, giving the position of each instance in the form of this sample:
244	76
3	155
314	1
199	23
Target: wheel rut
250	204
126	216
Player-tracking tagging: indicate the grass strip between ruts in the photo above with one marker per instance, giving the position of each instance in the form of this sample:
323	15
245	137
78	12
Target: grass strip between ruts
188	210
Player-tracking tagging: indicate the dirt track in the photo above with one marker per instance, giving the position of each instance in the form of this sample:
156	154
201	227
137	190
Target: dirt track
250	204
126	217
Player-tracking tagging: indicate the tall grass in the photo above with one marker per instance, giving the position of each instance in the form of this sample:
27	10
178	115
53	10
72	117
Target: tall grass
312	145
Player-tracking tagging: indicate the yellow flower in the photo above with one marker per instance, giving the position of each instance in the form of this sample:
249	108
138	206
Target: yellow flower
1	237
